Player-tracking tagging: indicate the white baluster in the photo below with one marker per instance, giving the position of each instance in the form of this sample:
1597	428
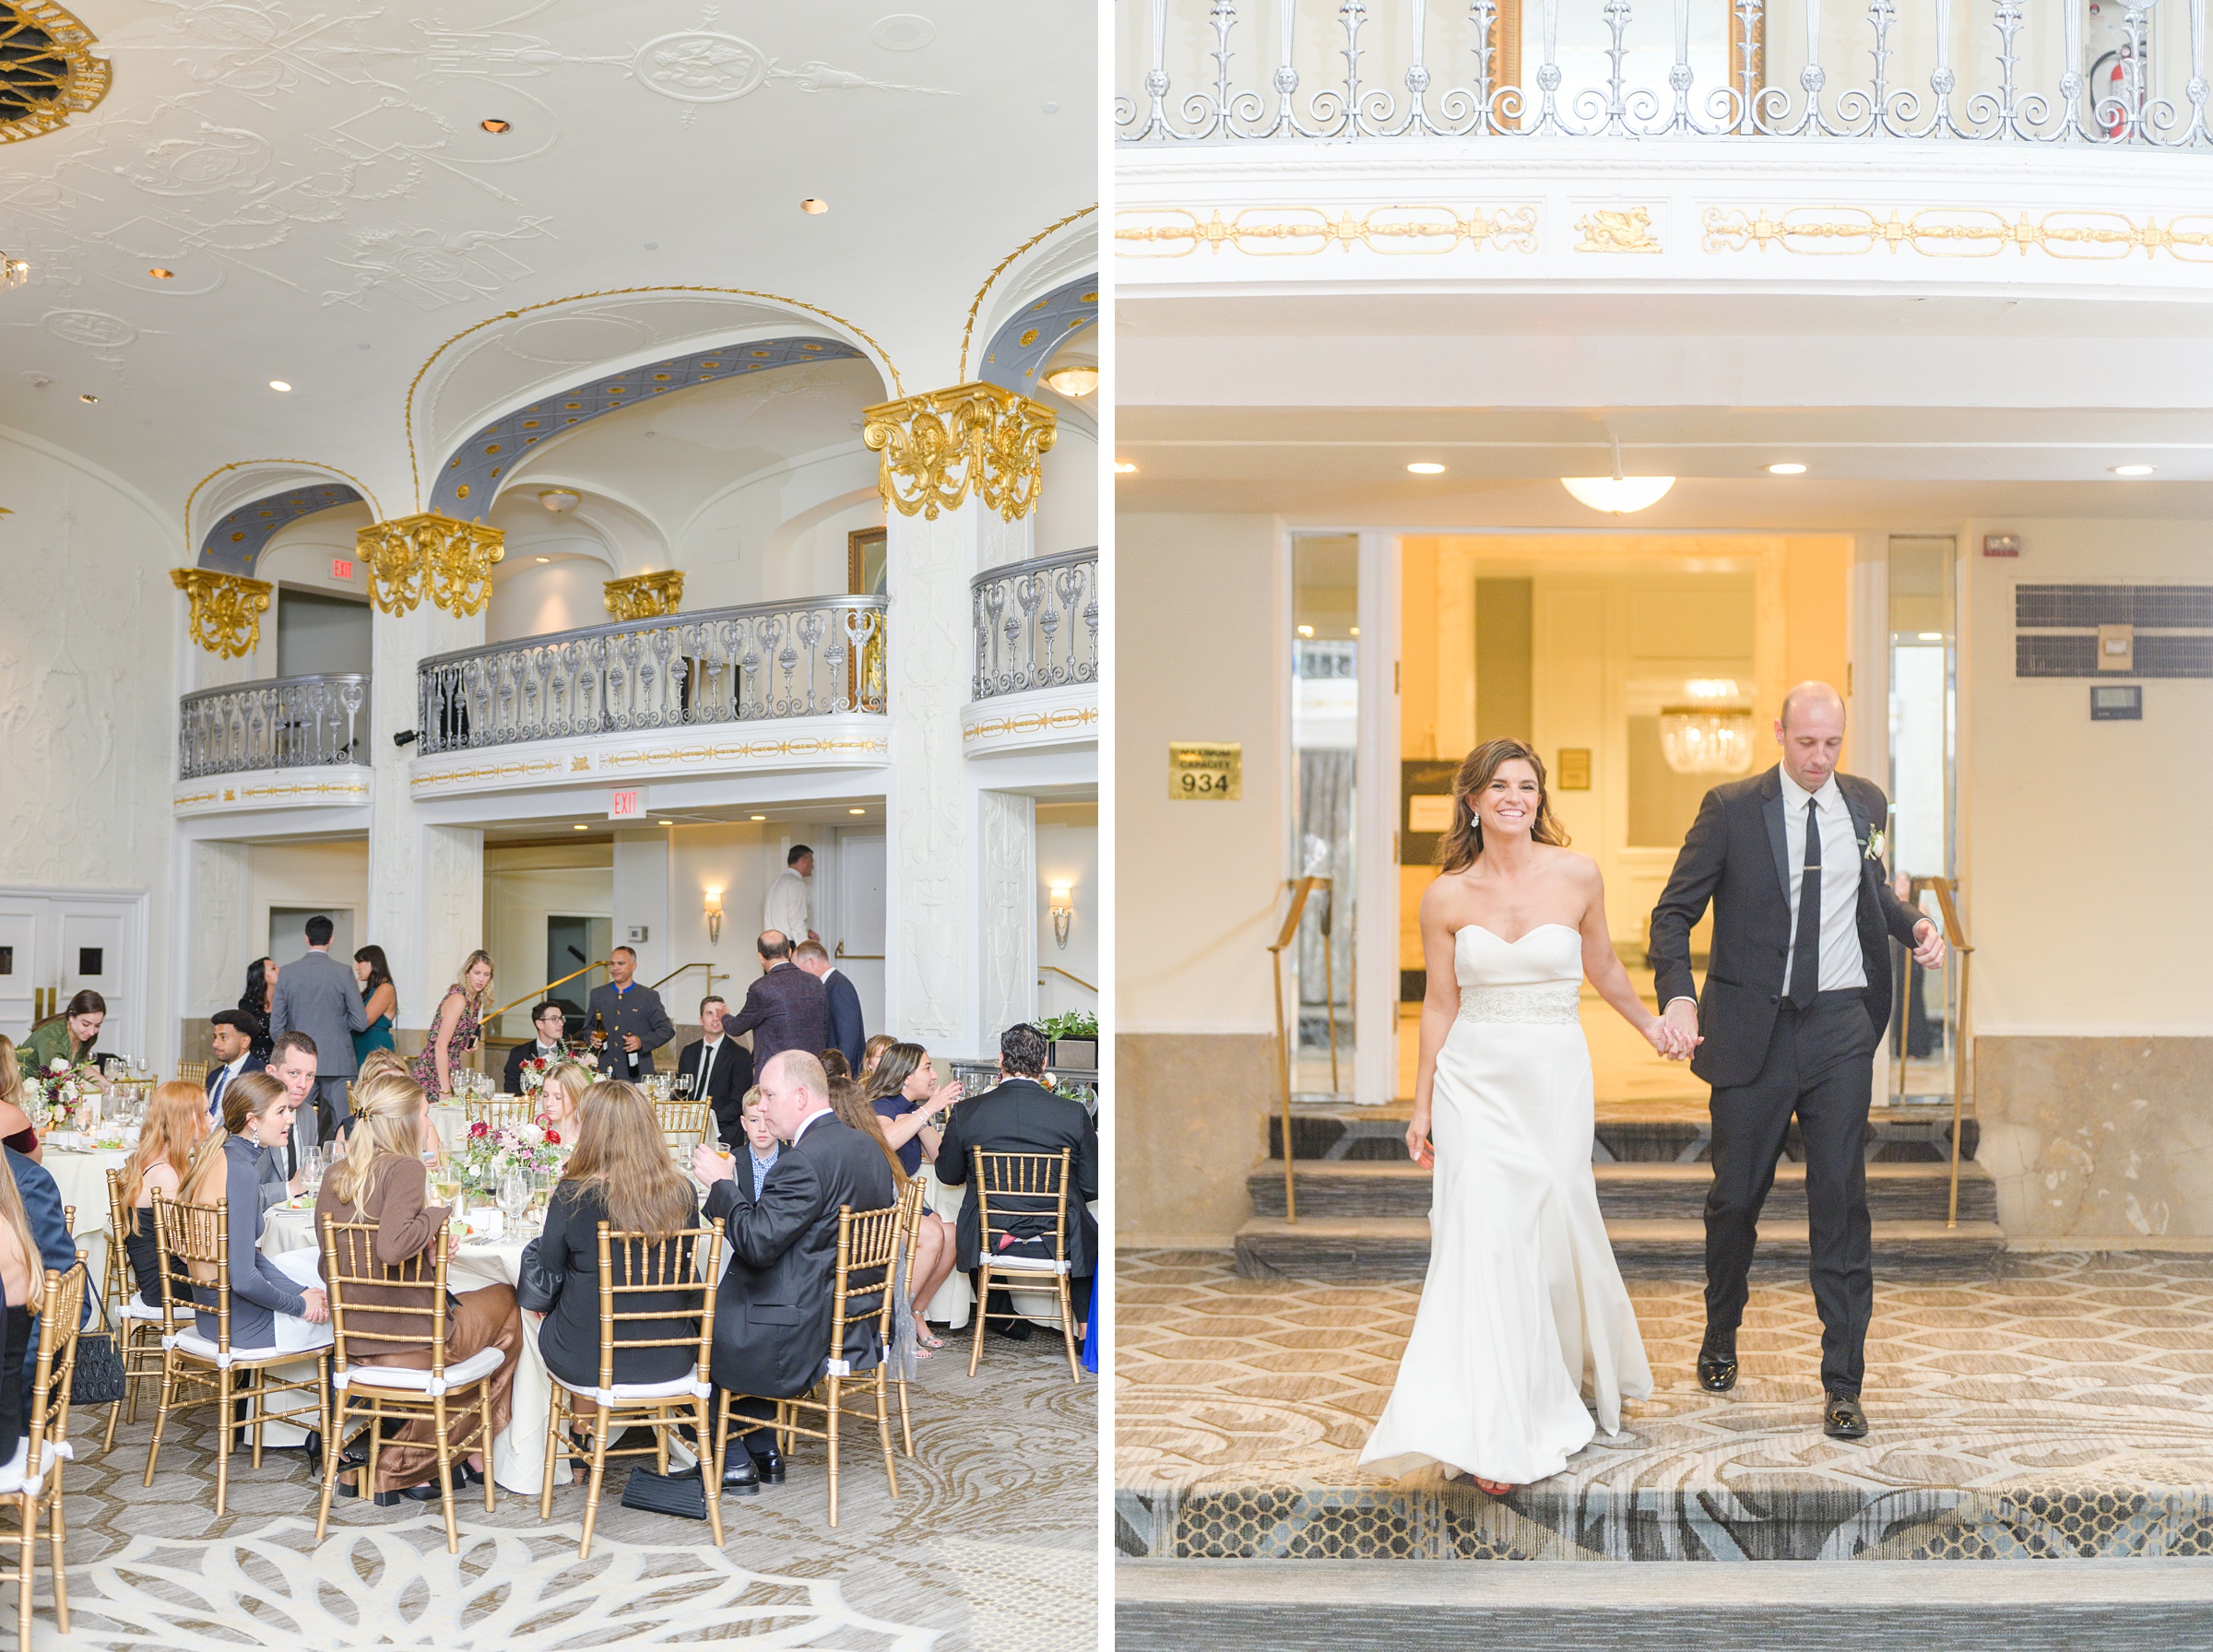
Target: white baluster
1683	33
1552	33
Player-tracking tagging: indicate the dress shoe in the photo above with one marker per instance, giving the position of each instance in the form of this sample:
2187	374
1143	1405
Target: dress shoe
740	1476
425	1492
1841	1417
768	1462
1717	1363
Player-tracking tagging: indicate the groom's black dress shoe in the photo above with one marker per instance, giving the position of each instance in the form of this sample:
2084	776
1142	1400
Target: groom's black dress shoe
768	1462
1716	1365
1841	1417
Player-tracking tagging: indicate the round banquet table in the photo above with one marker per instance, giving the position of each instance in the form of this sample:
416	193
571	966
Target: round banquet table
518	1451
82	1176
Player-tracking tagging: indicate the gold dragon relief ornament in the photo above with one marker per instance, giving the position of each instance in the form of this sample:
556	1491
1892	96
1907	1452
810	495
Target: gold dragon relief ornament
226	610
943	445
430	555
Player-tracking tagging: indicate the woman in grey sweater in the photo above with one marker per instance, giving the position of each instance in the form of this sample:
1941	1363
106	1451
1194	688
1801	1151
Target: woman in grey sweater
272	1305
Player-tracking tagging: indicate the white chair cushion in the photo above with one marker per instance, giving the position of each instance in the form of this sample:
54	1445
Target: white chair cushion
483	1362
11	1474
137	1308
195	1346
674	1388
1025	1264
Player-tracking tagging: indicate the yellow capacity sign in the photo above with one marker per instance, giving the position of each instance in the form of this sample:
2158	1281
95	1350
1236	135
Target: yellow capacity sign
1206	769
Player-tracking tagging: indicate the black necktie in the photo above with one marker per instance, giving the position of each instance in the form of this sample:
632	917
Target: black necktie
1805	953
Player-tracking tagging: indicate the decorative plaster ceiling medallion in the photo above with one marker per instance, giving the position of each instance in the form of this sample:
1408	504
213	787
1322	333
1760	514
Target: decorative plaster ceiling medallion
904	32
696	66
47	69
94	328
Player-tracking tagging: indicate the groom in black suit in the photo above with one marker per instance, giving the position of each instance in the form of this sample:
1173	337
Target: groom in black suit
1797	995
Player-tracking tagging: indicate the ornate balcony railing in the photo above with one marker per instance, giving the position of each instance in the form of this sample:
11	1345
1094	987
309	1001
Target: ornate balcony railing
811	658
282	723
1037	624
2075	72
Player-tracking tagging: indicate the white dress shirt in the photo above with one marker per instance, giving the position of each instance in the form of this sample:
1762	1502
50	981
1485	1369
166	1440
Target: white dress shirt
1844	967
708	1050
785	910
808	1124
226	1075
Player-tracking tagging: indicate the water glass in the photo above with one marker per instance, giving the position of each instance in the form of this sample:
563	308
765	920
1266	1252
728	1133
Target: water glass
514	1199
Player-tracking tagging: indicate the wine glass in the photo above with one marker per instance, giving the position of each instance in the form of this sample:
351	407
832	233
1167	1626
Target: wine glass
514	1199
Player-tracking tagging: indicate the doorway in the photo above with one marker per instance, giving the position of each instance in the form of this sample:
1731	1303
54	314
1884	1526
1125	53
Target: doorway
857	932
56	944
288	931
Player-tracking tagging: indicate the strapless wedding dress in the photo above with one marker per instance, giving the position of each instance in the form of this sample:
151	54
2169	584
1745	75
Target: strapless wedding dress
1524	1307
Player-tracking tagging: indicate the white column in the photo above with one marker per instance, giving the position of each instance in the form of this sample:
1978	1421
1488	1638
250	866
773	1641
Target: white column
426	882
934	898
1375	823
1007	824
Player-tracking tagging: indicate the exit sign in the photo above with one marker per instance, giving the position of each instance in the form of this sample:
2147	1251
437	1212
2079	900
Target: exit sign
623	806
340	568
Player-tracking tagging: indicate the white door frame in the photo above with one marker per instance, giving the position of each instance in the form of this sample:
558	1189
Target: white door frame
1376	819
137	926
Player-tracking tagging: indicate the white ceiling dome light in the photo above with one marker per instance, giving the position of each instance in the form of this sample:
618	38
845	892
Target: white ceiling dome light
1617	495
557	499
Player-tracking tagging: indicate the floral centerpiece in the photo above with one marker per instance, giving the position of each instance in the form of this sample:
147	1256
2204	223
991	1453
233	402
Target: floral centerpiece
534	1070
66	1089
492	1151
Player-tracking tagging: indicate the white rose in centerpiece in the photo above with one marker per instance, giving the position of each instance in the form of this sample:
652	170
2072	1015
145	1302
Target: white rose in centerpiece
530	1135
60	1064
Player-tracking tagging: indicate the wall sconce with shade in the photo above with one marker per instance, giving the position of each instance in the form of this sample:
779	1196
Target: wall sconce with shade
1063	908
713	905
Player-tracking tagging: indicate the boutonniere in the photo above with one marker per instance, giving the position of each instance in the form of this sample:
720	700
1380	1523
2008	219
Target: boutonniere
1875	841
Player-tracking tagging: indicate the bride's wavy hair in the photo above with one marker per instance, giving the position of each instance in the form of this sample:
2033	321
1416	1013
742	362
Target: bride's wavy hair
1456	850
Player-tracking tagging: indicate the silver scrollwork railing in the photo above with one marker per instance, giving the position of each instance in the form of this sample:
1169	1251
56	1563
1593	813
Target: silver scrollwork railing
1038	623
815	658
2124	72
282	722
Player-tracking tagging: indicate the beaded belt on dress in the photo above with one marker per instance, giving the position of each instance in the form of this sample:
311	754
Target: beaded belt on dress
1552	1003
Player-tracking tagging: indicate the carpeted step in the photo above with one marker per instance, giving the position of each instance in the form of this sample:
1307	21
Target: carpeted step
1636	1131
1626	1192
1323	1247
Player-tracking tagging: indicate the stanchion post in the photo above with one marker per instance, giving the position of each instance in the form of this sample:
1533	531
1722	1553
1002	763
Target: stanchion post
1300	890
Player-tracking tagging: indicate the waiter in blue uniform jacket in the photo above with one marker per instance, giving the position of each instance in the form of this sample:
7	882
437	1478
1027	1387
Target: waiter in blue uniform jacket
635	1023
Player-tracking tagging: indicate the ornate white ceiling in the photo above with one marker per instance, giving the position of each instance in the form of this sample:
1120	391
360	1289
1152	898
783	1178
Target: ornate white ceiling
316	180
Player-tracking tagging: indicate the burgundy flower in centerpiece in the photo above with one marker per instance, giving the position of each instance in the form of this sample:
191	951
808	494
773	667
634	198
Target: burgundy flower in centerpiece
478	1130
553	1138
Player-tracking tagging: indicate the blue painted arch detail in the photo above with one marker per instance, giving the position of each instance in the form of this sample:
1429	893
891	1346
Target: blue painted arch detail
236	543
470	476
1020	348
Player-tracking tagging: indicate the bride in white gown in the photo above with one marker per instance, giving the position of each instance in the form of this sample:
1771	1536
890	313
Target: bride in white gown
1524	1306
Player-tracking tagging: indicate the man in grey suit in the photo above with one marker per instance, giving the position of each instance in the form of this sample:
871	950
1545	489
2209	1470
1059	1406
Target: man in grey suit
318	996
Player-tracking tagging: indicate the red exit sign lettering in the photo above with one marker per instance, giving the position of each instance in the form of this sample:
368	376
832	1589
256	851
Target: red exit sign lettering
340	568
623	806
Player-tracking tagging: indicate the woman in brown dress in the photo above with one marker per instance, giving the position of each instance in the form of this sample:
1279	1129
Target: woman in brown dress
382	1180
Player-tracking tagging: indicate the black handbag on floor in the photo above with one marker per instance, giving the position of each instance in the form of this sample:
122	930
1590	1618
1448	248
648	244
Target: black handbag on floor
98	1378
683	1495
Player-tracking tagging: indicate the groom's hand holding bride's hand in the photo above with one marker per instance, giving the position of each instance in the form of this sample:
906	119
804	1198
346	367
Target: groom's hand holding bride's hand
1676	1033
1928	945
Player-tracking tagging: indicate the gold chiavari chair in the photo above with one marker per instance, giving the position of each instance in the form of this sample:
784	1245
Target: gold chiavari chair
138	1321
910	1225
195	1239
32	1479
193	1072
684	1124
1021	1189
500	1110
867	1244
369	1395
684	1262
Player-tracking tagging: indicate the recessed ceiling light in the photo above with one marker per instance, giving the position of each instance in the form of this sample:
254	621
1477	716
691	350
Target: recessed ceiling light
495	126
86	397
1354	629
1787	468
756	817
1930	636
278	385
1123	467
1052	109
581	826
1427	468
545	559
665	823
814	206
857	811
160	274
2131	469
1306	630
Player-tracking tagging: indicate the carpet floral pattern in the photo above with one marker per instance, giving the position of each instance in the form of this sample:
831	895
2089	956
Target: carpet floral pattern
2057	1409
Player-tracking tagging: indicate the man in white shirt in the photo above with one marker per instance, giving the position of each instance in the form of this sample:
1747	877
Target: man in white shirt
233	1044
786	909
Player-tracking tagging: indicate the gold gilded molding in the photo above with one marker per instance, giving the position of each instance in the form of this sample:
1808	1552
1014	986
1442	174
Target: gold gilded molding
1064	720
430	555
359	487
1625	231
226	610
999	269
1304	231
645	596
1956	233
52	72
943	445
622	292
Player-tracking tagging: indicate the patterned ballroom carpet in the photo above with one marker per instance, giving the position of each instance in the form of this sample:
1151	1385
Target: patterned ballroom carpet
991	1544
2059	1409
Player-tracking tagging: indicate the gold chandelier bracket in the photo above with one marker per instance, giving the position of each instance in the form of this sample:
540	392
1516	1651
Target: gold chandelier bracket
943	445
645	596
52	73
430	555
226	610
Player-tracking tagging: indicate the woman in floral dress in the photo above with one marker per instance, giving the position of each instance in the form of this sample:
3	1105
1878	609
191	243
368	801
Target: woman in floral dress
460	1019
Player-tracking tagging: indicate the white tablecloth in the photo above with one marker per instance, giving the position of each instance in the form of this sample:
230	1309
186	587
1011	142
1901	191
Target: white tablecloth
518	1451
82	1177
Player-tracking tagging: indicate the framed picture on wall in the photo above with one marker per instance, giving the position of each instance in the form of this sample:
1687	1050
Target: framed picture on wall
864	562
